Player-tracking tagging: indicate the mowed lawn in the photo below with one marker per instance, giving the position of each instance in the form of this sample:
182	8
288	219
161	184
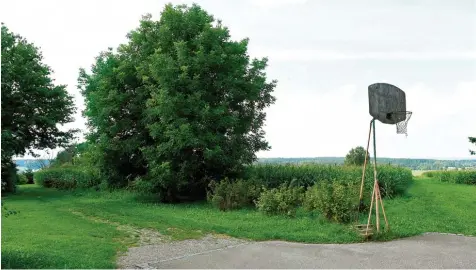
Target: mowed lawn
56	229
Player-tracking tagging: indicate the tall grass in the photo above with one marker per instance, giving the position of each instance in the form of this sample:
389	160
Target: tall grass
66	178
455	177
393	180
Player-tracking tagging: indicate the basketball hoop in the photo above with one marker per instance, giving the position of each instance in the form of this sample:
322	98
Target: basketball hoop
402	118
387	104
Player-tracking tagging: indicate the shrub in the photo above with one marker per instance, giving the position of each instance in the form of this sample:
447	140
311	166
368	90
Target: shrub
22	179
280	201
227	195
393	180
29	176
334	200
9	175
66	178
455	177
429	174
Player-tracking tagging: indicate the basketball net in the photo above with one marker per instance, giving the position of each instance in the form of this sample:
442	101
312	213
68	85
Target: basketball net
402	125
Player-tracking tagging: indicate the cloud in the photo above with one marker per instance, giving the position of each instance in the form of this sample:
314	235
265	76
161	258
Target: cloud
330	55
276	3
331	123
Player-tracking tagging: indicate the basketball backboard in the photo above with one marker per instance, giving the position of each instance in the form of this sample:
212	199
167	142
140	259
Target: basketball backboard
385	99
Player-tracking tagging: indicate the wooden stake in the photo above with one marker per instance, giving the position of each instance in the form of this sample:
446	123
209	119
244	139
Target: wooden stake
377	217
365	164
383	211
370	211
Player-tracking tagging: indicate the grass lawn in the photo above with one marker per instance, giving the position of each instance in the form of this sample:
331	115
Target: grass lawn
57	229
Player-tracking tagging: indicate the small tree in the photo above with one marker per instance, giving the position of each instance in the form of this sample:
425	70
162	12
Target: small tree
356	156
473	141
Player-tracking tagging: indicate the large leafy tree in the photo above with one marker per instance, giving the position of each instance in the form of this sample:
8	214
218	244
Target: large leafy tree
473	141
115	97
356	156
180	99
32	105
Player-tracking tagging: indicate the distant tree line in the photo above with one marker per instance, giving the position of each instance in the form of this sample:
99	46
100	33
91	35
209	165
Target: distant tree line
414	164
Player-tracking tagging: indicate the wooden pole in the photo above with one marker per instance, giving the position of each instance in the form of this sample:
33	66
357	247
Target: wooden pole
375	179
370	211
377	217
383	211
365	165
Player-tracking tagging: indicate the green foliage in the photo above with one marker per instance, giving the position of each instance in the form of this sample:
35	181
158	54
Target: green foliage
70	154
66	178
29	176
393	181
9	174
22	179
356	156
179	104
283	200
455	177
228	195
334	200
32	106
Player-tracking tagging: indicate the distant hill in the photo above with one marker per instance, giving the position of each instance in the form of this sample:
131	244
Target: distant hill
414	164
33	164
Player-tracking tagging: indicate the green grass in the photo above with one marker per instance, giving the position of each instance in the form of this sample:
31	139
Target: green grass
56	229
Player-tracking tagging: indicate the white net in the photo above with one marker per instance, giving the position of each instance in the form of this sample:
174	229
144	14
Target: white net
402	125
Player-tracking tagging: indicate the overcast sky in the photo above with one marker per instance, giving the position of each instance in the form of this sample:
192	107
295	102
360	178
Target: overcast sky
324	54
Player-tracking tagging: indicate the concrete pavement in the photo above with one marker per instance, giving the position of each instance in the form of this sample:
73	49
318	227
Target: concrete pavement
430	250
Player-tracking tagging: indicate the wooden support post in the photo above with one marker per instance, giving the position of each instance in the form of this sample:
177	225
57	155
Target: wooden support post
376	187
365	165
383	211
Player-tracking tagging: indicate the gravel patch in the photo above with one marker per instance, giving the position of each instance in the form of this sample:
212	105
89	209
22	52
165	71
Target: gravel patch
145	255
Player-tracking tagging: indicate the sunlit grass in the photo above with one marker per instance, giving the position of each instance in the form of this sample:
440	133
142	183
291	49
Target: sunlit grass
57	229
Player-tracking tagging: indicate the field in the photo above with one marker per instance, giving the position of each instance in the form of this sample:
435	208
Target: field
53	227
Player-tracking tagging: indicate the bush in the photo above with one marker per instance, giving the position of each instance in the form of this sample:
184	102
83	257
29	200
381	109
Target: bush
66	178
280	201
9	175
22	179
455	177
29	176
334	200
393	180
228	195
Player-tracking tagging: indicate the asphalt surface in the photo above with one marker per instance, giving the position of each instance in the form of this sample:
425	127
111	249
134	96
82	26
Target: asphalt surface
430	250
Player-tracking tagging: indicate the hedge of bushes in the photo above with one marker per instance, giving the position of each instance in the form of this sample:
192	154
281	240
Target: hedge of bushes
393	180
66	178
456	177
330	190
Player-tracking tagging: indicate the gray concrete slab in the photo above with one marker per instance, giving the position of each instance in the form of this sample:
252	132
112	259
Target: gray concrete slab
426	251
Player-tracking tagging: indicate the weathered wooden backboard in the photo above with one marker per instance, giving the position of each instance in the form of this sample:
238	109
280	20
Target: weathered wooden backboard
384	99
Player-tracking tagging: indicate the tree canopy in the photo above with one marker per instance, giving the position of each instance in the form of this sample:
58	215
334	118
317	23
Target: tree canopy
179	104
32	105
356	156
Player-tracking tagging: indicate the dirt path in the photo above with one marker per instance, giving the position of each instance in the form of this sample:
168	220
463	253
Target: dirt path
431	250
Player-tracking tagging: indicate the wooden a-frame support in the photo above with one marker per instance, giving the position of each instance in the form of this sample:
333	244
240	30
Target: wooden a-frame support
376	196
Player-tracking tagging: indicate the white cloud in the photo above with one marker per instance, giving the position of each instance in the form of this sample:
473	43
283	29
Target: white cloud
275	3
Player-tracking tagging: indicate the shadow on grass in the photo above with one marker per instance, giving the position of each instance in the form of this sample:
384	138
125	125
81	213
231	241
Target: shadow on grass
27	260
35	192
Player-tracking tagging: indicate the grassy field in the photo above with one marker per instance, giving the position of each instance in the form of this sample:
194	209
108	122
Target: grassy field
80	230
